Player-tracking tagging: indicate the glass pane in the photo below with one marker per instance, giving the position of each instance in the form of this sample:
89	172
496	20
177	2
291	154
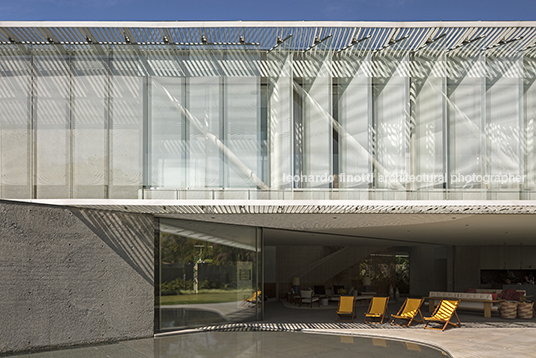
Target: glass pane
205	167
168	129
464	105
208	274
52	123
391	118
315	93
242	132
503	132
529	109
428	113
355	124
280	114
15	135
127	114
89	118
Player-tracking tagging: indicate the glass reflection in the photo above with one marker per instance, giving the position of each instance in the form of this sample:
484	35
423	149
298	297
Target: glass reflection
207	273
286	344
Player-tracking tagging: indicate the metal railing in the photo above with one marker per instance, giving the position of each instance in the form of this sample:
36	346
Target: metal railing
333	194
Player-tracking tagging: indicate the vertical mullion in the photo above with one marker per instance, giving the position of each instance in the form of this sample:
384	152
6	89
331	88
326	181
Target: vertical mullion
71	128
146	128
108	122
522	137
412	126
33	134
224	165
485	146
445	136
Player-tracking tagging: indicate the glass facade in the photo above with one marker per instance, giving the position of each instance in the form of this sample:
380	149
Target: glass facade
384	117
206	274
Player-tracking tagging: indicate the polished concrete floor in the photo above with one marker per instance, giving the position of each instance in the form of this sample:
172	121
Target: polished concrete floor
320	336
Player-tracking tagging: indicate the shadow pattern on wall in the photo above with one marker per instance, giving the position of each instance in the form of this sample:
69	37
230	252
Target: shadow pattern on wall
129	235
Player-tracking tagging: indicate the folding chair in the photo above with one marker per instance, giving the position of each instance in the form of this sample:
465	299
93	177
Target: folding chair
377	309
409	311
346	308
253	300
443	314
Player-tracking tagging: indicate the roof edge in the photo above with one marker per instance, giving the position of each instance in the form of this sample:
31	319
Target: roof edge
253	24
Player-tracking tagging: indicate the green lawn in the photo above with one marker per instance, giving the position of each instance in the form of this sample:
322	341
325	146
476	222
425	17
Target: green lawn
214	296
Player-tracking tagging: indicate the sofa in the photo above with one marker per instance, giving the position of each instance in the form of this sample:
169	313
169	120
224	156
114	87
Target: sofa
334	295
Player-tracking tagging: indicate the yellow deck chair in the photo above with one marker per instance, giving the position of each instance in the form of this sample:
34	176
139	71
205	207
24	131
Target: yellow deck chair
253	300
377	309
443	314
409	311
346	309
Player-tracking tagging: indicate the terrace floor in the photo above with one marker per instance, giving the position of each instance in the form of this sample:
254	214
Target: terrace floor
291	331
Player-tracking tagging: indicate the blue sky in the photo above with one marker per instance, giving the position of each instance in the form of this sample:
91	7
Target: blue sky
358	10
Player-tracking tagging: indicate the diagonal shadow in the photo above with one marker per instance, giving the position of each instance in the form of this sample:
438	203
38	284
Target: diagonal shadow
129	235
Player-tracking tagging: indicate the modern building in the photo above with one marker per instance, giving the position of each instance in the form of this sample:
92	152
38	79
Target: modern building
186	165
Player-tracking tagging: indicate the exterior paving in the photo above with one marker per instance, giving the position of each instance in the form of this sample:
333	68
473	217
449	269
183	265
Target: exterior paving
478	337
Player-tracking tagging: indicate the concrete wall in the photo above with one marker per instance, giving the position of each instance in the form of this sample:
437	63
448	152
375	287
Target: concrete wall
72	276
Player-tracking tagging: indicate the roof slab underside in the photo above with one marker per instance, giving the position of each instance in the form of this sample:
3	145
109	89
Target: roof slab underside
350	37
346	223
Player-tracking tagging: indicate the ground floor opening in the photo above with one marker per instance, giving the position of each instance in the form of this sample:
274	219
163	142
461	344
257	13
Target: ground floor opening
220	271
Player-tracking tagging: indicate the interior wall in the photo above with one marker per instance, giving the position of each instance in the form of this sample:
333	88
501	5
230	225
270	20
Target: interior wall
270	257
471	259
444	268
290	259
74	276
428	269
467	267
334	265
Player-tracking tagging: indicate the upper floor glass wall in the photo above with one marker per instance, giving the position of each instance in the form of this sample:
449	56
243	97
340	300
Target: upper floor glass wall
238	122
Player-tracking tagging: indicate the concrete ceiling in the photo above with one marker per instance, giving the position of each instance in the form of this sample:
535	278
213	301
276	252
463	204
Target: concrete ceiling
385	229
347	223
